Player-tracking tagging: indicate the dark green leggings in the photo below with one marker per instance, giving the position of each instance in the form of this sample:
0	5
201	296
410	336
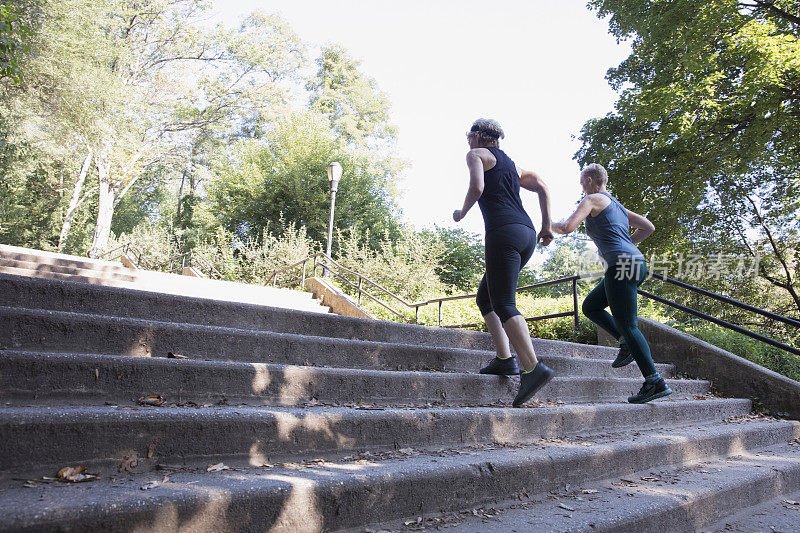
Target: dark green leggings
617	290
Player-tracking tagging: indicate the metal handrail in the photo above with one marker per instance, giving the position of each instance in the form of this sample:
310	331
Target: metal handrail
140	259
727	300
574	313
273	277
416	305
721	322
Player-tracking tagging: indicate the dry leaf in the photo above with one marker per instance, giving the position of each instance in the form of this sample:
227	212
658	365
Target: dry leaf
151	399
129	462
590	491
75	474
96	373
150	485
790	502
216	467
171	355
567	507
151	449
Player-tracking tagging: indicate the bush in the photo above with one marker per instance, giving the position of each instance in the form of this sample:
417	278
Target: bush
771	357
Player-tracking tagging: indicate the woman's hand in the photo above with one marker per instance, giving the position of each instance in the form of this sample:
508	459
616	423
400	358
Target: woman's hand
545	236
458	215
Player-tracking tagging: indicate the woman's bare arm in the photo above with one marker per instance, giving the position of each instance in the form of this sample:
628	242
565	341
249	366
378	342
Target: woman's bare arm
644	228
574	220
533	182
476	166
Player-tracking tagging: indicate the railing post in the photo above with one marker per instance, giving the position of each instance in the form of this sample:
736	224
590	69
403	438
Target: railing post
575	305
304	272
416	314
440	313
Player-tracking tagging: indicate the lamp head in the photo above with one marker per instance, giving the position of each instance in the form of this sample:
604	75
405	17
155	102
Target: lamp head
334	171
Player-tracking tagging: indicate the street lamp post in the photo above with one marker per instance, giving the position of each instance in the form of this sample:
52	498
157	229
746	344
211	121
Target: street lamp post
334	175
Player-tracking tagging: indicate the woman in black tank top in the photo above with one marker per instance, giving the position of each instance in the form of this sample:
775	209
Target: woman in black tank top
495	183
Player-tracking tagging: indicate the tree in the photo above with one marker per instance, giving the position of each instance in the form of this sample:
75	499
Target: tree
13	40
705	138
282	178
462	263
131	81
358	111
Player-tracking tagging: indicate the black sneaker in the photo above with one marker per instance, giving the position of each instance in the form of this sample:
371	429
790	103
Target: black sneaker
624	357
530	383
502	367
651	391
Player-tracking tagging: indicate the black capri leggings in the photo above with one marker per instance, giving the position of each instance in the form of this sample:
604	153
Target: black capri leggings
508	248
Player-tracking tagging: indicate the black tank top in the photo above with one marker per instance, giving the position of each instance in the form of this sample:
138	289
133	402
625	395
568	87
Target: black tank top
500	202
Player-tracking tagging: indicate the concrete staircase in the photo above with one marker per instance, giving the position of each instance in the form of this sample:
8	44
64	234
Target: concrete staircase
286	420
41	264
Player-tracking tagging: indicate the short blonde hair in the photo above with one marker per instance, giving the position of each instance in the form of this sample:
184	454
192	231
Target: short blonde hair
596	171
487	131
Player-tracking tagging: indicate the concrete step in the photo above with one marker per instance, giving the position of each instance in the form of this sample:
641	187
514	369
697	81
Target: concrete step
61	267
15	266
67	274
63	296
32	377
41	438
41	257
58	331
344	493
778	515
693	497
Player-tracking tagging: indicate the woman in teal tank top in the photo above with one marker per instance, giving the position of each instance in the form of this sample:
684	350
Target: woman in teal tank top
608	223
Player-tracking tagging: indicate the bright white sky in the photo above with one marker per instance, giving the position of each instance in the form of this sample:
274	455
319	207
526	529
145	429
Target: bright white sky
536	67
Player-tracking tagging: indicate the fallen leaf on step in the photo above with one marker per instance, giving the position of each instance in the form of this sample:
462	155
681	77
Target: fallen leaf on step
129	462
216	467
650	478
590	491
75	474
171	355
790	502
151	449
151	399
567	507
150	485
96	373
30	485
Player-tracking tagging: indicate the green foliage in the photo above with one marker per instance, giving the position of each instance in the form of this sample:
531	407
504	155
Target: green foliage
462	265
705	137
283	176
13	40
405	266
758	352
356	108
156	243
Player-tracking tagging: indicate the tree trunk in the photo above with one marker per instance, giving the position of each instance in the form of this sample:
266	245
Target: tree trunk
105	209
74	201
